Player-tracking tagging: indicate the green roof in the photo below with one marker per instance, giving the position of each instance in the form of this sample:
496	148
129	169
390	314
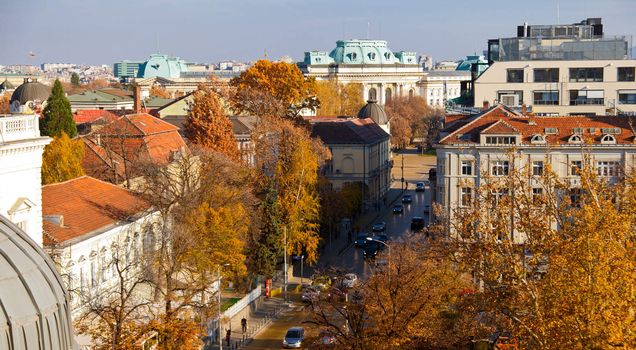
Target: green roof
157	102
96	96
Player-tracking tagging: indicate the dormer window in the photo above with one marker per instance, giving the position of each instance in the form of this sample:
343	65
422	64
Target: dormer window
537	139
501	140
387	55
608	139
575	139
372	56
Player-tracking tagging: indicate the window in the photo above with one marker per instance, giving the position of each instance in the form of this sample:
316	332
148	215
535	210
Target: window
587	97
467	167
626	73
575	167
514	76
511	98
388	94
466	196
411	93
586	74
499	168
104	259
608	139
546	75
607	168
441	166
546	97
537	168
497	195
500	140
372	56
373	94
93	273
575	197
575	139
625	98
537	139
537	192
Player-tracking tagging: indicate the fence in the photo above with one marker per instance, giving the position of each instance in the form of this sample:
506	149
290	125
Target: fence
233	310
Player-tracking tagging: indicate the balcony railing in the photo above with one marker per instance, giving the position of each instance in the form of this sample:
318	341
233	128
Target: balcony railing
18	127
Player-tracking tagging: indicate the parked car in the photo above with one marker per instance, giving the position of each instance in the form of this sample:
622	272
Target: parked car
349	280
419	187
398	209
327	338
381	238
361	239
417	223
371	249
311	293
427	208
407	199
379	226
294	337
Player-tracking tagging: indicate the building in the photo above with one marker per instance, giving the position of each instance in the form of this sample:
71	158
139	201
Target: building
87	224
29	98
561	87
127	69
88	120
439	87
579	41
472	146
242	127
360	152
119	151
106	99
382	72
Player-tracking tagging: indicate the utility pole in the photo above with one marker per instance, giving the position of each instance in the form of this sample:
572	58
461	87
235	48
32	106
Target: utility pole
402	170
285	262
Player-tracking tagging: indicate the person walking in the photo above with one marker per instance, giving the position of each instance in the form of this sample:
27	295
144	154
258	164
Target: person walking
244	325
228	337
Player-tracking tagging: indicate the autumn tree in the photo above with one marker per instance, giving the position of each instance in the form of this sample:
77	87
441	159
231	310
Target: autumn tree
555	264
208	126
412	118
266	248
338	99
5	107
278	83
62	159
75	79
57	115
159	91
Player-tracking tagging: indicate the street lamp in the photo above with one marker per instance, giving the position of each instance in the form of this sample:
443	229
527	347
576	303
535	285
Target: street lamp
285	262
219	293
386	245
302	264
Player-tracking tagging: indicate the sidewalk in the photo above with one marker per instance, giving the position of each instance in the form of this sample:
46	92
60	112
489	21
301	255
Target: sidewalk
258	315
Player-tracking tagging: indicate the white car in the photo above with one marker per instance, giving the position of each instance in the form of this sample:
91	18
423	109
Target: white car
349	280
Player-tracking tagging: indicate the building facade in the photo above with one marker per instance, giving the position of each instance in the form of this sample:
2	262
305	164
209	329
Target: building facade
582	87
491	144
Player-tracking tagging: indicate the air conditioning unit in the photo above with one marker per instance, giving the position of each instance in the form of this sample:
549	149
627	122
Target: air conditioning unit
510	100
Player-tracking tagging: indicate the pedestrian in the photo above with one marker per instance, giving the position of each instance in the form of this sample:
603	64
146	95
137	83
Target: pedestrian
244	325
228	336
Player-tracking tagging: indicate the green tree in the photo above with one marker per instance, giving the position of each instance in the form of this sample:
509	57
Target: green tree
208	126
62	159
75	79
57	114
267	247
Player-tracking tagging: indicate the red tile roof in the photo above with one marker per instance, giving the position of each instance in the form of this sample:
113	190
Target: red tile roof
86	204
93	115
500	119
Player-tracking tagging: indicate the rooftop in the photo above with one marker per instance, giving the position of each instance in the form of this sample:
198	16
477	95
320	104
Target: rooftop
348	131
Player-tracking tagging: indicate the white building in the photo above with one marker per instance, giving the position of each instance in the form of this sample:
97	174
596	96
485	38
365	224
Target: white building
473	146
582	87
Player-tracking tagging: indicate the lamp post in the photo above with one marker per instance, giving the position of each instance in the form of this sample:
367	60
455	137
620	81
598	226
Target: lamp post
386	245
219	294
285	262
302	264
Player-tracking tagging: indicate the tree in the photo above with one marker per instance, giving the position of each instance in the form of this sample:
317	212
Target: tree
5	107
339	99
282	82
75	79
266	247
62	159
57	114
207	125
412	118
159	91
556	265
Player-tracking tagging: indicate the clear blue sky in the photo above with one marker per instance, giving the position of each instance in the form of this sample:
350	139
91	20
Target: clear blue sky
105	31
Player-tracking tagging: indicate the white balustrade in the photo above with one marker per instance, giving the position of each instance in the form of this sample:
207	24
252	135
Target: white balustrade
18	127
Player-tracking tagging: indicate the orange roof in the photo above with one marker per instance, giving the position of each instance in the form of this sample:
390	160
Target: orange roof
86	205
499	119
137	124
93	115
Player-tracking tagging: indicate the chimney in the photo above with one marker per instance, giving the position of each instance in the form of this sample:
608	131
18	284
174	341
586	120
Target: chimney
137	99
486	104
524	109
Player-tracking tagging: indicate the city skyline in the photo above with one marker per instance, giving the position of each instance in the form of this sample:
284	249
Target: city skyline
248	29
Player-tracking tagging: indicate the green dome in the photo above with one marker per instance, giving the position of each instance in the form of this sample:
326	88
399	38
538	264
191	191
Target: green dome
357	51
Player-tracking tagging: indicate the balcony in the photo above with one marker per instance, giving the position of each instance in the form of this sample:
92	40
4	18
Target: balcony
18	127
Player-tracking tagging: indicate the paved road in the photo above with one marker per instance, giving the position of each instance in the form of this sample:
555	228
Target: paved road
272	336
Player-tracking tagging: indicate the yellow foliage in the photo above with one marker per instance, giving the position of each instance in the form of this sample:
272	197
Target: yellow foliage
62	159
339	99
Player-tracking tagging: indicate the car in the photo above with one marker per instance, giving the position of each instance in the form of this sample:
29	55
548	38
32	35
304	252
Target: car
420	187
417	223
361	239
407	199
294	338
349	280
310	293
379	226
327	338
371	249
381	238
398	209
427	208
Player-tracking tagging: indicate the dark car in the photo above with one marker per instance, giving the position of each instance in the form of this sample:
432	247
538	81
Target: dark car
407	199
417	223
371	249
361	239
419	187
379	226
398	209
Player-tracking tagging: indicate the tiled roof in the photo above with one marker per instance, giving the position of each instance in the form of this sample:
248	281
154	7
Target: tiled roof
97	96
137	124
93	115
557	130
154	102
86	204
242	125
349	131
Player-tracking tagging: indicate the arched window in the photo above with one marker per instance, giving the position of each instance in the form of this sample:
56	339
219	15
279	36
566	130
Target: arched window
148	240
387	55
537	139
575	139
81	272
93	269
104	264
411	93
372	56
134	249
373	94
388	95
608	139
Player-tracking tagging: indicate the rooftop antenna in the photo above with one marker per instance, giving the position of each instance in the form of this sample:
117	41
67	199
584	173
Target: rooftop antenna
558	13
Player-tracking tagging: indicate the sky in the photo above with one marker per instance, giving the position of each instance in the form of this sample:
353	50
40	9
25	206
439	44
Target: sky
107	31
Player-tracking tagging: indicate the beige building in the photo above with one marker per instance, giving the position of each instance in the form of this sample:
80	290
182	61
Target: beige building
561	87
474	146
